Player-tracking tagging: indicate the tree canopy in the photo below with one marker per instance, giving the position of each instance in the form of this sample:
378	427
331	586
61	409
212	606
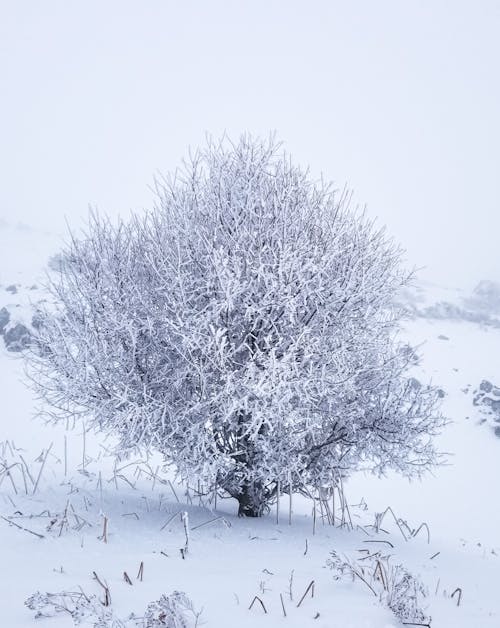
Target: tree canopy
245	327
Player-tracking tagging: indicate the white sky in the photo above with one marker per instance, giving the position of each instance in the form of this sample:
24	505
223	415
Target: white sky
399	99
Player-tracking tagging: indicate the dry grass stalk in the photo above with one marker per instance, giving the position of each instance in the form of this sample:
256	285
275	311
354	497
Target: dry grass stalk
257	598
310	587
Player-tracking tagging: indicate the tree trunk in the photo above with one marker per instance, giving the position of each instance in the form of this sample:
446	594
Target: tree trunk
251	501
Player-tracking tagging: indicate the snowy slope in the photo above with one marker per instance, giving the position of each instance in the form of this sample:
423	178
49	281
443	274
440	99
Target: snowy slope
64	481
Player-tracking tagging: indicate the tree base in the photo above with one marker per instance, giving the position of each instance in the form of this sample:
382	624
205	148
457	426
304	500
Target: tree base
247	510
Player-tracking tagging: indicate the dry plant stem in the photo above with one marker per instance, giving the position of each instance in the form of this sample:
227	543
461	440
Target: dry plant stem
358	527
170	519
205	523
64	519
283	605
381	573
84	456
173	491
310	587
389	509
131	514
185	521
140	573
24	480
104	536
423	525
27	470
278	490
80	518
127	578
459	598
333	504
83	593
9	475
322	514
380	541
367	583
41	468
261	603
12	523
107	593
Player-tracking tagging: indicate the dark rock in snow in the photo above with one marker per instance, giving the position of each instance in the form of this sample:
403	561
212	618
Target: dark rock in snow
485	386
443	337
12	288
494	404
17	337
4	319
497	431
487	399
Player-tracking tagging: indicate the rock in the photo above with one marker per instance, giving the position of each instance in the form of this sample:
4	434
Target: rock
4	319
440	393
497	431
17	337
12	288
485	386
443	337
494	404
487	400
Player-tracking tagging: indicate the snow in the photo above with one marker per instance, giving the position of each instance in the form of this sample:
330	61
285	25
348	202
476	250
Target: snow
230	560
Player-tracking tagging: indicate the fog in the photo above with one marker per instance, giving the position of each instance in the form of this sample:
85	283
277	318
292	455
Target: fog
398	100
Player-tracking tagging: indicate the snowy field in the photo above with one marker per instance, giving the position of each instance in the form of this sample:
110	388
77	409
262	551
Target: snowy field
75	520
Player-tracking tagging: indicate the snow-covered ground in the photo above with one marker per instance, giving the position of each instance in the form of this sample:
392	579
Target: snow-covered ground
61	480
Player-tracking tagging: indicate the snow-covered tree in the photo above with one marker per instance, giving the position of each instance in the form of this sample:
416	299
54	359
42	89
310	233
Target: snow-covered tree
244	327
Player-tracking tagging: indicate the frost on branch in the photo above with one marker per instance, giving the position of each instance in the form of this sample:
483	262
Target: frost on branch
244	327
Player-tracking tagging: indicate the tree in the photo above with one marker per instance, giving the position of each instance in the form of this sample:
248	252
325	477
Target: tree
244	327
